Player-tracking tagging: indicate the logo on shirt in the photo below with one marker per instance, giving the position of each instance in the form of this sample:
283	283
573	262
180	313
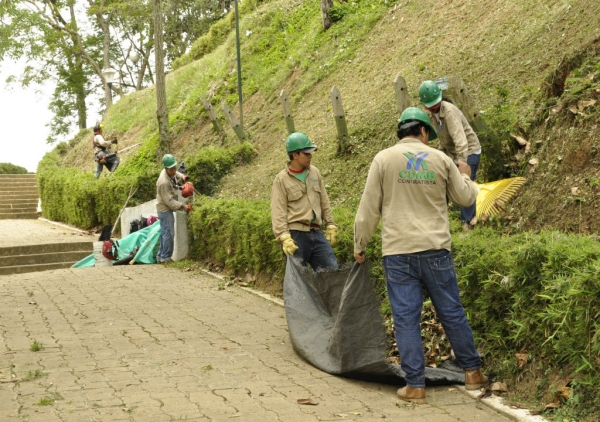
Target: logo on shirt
417	171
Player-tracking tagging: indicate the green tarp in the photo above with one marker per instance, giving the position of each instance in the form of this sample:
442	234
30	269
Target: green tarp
147	239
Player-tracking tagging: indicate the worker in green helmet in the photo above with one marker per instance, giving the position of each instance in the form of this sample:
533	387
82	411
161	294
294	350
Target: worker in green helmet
456	137
300	210
406	189
167	194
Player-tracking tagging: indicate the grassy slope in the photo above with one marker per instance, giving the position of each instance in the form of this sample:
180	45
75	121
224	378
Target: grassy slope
488	44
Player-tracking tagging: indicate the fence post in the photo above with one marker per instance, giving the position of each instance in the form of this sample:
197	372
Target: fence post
458	92
340	119
401	93
213	117
287	112
237	128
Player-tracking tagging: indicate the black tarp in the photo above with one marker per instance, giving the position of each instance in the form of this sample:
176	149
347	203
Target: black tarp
334	323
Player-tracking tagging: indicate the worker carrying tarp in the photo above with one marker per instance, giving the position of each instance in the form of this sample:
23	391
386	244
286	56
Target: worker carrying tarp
147	240
334	323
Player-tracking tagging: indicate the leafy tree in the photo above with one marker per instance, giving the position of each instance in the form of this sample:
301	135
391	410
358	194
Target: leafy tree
72	41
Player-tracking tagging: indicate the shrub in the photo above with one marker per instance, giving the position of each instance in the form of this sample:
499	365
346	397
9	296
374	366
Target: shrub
76	197
8	168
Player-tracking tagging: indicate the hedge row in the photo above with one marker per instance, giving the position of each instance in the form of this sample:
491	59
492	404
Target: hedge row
538	293
76	197
237	234
8	168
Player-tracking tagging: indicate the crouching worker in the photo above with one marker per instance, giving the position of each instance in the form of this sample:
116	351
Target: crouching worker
406	188
167	186
103	155
300	208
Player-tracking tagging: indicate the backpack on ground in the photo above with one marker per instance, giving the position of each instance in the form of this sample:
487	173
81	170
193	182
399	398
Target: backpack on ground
138	224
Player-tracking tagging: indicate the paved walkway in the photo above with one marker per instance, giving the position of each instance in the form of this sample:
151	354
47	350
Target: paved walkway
152	343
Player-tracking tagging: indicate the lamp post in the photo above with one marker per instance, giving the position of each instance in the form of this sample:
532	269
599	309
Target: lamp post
109	74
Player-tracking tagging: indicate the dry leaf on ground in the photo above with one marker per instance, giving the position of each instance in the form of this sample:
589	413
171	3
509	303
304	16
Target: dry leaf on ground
585	104
309	402
499	387
522	359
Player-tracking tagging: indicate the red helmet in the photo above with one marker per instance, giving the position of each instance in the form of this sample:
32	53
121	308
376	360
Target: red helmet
187	190
107	250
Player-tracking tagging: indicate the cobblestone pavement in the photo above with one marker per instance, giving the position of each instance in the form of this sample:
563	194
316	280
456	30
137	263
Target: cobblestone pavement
153	343
148	343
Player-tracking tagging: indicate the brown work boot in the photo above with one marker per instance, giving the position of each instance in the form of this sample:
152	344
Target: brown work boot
474	379
415	395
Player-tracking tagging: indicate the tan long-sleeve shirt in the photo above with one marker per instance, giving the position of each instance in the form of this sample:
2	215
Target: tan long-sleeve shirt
167	192
295	203
407	187
457	138
100	144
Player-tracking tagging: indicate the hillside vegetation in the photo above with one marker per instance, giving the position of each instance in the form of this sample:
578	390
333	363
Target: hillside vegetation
531	66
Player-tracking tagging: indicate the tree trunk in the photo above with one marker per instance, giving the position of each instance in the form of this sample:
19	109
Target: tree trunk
162	114
80	94
325	6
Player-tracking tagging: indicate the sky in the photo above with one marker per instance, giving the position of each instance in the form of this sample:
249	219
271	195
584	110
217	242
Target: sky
23	117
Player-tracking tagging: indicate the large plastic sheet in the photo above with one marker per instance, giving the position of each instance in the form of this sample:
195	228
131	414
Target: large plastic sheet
334	323
146	239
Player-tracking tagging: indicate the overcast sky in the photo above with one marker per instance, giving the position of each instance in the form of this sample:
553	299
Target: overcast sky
23	117
23	114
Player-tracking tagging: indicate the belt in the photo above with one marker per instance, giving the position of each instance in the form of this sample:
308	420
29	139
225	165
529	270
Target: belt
315	227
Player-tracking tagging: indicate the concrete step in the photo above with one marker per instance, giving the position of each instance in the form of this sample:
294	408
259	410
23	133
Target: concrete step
14	189
35	268
17	177
20	206
31	258
47	248
12	196
43	258
18	215
18	200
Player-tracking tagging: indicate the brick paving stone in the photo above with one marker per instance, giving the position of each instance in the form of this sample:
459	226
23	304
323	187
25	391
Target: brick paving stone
152	343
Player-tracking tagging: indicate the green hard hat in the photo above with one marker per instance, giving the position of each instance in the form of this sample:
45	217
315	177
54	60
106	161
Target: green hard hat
414	113
299	141
169	161
430	93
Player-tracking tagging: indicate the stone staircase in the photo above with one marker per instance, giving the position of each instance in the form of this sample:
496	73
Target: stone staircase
18	196
31	258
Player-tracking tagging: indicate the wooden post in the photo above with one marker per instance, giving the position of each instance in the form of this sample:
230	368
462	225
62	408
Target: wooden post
213	117
340	119
459	94
401	93
287	112
237	128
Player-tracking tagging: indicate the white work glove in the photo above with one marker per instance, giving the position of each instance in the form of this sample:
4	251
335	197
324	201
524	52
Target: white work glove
288	244
331	235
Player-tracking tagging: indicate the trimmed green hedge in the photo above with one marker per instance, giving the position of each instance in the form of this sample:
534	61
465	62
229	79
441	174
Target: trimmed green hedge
76	197
8	168
534	292
538	293
237	234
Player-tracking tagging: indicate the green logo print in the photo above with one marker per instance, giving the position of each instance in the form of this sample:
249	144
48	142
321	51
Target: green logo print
417	171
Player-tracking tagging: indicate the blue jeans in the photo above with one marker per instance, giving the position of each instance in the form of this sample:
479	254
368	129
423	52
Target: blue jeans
167	235
468	213
406	277
99	168
314	249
